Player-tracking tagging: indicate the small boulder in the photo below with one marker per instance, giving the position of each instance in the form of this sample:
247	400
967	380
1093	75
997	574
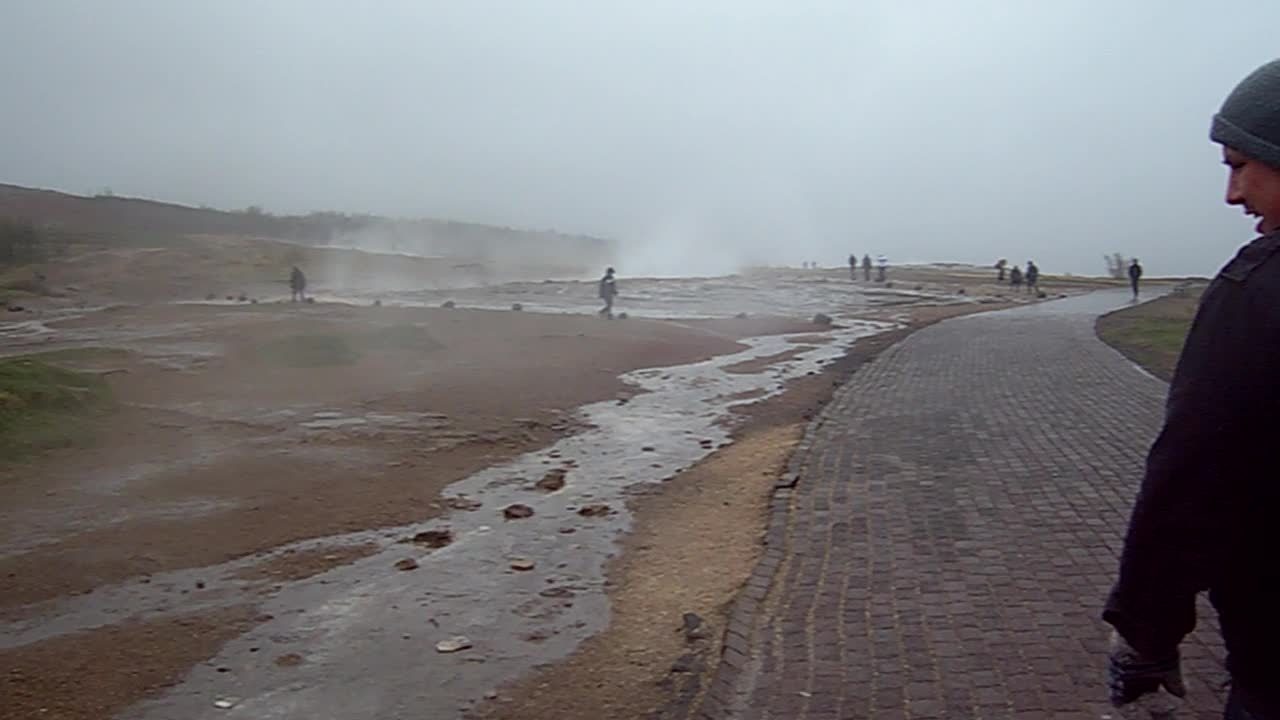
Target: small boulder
516	307
453	645
462	503
741	316
522	565
433	539
552	481
595	510
822	319
407	564
517	511
449	305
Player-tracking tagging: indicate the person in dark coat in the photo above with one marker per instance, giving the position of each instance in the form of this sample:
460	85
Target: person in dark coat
866	268
1001	264
1135	274
1033	277
297	285
1015	276
1206	514
853	266
608	291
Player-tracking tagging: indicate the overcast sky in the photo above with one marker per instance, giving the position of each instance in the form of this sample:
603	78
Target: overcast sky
698	134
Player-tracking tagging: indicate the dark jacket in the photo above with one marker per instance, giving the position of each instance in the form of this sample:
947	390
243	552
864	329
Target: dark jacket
1207	515
608	287
1135	271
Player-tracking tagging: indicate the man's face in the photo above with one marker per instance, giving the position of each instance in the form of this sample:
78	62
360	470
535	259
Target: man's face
1255	186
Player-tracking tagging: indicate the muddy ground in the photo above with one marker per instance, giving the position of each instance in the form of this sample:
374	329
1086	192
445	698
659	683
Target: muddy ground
246	429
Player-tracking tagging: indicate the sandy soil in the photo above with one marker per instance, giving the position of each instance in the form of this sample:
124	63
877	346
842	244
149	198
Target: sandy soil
694	544
229	444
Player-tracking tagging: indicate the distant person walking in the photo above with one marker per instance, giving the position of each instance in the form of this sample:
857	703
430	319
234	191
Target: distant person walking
1135	274
608	291
1015	277
297	285
1033	277
882	264
866	268
853	266
1001	264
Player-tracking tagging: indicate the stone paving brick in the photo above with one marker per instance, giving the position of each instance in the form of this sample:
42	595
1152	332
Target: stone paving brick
952	531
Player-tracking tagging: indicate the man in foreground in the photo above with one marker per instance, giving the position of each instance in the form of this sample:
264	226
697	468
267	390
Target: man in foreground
1206	513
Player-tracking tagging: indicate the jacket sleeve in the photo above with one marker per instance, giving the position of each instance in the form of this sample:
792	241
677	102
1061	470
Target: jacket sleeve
1195	470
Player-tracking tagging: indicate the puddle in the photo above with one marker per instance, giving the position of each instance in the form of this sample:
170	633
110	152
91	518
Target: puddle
367	632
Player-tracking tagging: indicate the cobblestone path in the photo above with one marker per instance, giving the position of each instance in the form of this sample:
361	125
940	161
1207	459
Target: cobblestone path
953	533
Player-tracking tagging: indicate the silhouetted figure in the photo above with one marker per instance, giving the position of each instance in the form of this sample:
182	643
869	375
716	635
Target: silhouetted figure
608	291
297	285
1135	274
1033	277
853	266
1001	264
866	268
882	265
1015	277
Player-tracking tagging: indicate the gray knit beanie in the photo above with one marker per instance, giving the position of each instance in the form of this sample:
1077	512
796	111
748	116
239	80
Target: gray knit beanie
1249	120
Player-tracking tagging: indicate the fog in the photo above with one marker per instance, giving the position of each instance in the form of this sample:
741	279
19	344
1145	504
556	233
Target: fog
700	136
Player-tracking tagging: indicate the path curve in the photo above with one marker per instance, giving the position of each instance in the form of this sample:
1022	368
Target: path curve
954	531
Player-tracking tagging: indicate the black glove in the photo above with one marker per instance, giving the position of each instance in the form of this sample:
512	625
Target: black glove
1130	675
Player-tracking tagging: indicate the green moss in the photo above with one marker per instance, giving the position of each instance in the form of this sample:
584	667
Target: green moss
43	406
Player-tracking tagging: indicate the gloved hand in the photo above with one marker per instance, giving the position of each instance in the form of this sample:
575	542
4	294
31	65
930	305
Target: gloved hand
1130	675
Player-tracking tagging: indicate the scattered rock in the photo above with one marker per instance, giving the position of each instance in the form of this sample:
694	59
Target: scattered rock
242	298
516	307
517	511
453	645
463	503
289	660
231	298
648	448
595	510
741	316
16	308
224	703
687	663
694	627
253	301
433	538
407	564
557	592
962	291
552	481
523	564
200	585
706	443
822	319
449	305
568	530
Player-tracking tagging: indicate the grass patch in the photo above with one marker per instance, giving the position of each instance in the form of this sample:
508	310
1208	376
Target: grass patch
43	406
1152	334
311	351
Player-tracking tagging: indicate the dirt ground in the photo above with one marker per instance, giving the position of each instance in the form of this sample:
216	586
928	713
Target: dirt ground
243	427
694	543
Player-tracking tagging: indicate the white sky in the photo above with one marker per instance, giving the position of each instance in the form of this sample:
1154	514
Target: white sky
701	135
